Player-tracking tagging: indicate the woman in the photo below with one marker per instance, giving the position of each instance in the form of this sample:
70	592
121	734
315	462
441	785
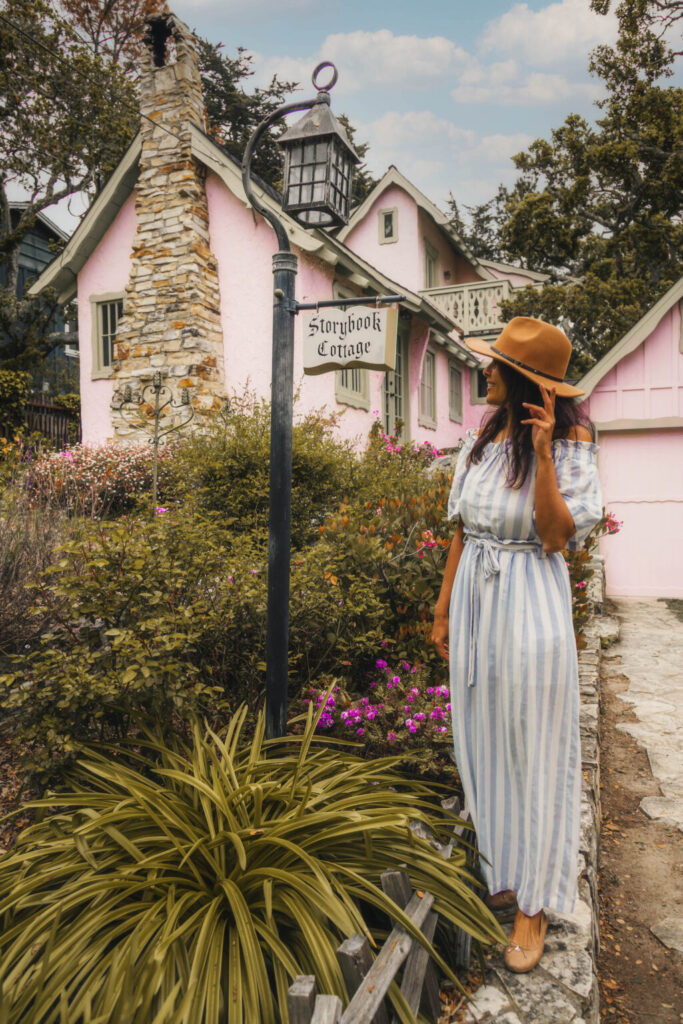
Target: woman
525	488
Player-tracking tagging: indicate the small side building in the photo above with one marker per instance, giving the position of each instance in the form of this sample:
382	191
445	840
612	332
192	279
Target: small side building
634	396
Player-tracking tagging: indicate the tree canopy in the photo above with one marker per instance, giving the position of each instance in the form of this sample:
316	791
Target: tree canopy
68	110
599	206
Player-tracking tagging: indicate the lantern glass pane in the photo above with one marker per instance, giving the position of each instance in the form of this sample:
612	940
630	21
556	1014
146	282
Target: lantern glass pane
294	175
296	154
321	151
307	172
309	152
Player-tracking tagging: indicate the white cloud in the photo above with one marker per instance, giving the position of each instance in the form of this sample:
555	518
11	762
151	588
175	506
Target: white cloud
373	59
506	84
561	33
439	157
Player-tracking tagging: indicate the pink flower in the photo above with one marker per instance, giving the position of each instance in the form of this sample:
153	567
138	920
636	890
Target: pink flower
359	732
380	663
160	510
396	679
581	584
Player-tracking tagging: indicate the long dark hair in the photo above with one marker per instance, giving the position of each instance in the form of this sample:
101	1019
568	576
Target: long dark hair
509	416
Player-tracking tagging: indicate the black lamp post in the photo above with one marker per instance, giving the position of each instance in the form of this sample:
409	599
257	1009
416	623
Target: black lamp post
317	190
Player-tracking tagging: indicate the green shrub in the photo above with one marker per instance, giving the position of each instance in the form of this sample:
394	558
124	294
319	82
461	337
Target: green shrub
196	886
227	470
28	540
126	603
14	390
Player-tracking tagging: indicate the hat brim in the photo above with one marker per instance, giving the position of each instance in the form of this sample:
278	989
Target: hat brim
564	390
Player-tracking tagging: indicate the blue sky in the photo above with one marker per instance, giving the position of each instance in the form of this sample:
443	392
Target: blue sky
446	91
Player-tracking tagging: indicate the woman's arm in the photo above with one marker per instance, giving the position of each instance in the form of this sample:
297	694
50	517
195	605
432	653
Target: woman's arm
553	519
440	627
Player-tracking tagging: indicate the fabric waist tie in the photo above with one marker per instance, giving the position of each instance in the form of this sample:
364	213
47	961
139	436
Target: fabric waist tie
486	560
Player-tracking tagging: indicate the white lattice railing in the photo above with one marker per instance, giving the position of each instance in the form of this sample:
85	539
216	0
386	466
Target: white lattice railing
474	307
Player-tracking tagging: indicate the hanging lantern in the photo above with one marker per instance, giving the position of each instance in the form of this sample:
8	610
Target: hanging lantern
319	162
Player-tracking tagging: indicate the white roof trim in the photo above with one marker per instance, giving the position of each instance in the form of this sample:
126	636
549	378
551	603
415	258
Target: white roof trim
62	272
633	339
536	275
49	224
394	177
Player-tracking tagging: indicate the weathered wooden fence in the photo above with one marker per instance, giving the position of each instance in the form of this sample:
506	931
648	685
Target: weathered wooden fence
54	421
367	980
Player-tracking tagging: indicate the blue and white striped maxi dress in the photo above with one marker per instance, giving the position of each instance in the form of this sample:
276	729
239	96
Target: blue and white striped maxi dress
514	674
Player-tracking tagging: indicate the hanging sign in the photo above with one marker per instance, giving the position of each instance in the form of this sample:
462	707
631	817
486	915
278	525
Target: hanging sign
360	336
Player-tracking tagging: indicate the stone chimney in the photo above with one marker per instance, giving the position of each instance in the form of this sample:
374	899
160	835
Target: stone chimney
171	315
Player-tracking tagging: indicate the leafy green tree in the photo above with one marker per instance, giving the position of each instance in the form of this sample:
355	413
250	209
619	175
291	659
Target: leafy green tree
481	231
599	206
66	115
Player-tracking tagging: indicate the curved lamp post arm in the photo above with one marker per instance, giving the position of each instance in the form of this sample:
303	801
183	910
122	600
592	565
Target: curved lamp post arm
277	114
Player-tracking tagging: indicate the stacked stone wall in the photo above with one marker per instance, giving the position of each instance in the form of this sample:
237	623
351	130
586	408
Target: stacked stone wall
171	312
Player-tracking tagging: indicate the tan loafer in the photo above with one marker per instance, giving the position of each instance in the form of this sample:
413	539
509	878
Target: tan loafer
521	959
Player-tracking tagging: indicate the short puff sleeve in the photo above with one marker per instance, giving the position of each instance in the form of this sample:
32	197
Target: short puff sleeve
459	475
576	468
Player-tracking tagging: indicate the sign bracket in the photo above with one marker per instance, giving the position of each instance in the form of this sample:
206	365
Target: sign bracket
372	300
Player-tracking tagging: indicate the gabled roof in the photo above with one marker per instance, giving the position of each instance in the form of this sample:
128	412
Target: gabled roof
635	337
44	219
510	268
62	272
394	177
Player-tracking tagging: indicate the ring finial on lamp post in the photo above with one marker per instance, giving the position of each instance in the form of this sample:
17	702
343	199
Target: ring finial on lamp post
319	162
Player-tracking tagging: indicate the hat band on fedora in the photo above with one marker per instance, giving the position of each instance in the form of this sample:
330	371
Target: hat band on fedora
525	366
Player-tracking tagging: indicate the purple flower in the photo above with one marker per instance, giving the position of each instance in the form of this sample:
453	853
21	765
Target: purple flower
380	663
391	736
420	716
396	679
359	732
415	691
159	510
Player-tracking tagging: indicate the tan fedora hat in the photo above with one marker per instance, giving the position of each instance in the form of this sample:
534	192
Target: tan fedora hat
535	349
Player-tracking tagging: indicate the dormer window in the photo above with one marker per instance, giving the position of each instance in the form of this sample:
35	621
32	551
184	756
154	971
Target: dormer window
388	226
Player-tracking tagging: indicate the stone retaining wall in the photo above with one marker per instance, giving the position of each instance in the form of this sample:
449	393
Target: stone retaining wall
563	989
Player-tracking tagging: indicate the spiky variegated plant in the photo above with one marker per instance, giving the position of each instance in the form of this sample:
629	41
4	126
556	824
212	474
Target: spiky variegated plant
194	887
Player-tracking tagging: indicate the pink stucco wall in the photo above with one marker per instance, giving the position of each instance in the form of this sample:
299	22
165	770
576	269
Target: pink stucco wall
457	268
640	469
401	260
105	273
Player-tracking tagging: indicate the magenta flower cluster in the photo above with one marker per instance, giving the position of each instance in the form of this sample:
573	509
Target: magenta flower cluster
398	710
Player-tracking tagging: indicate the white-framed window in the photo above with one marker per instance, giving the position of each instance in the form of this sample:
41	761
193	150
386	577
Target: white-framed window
454	392
431	265
477	387
388	225
427	411
351	387
107	310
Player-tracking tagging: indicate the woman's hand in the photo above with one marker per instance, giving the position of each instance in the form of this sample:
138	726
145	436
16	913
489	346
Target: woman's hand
542	422
440	635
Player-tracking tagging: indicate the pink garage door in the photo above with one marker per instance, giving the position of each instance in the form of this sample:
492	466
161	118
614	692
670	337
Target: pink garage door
642	483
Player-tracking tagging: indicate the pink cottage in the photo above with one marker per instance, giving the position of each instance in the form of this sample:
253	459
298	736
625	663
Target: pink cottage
635	397
172	271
